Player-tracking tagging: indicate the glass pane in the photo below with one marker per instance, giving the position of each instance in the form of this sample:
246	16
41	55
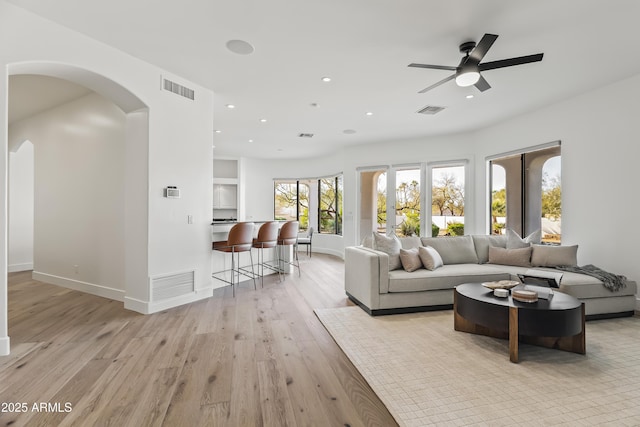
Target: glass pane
382	203
447	201
303	205
407	209
339	204
328	207
552	201
286	201
498	199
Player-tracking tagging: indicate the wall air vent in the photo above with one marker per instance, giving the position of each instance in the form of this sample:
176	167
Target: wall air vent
178	89
430	109
305	135
173	285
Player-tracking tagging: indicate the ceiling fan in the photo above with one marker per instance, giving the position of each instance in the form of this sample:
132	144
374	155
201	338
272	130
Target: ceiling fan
467	73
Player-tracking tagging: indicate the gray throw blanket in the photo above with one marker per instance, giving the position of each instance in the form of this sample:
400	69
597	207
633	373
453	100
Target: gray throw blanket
613	282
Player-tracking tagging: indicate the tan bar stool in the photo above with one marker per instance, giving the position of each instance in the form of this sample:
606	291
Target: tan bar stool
240	239
267	238
288	236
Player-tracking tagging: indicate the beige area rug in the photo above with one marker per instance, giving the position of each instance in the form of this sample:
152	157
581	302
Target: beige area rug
428	374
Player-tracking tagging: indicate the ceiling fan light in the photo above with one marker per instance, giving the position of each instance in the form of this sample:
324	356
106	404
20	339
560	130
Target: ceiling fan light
467	78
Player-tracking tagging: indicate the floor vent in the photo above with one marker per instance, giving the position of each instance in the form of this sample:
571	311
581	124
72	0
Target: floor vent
305	135
173	285
430	109
178	89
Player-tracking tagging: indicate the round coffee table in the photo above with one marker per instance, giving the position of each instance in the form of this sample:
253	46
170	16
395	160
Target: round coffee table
555	323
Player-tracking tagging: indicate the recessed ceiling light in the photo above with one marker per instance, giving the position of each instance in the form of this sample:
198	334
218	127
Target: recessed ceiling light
263	120
469	96
240	47
230	106
314	105
368	113
217	131
349	131
326	79
251	140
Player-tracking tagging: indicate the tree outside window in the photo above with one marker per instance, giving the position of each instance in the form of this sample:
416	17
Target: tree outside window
447	200
407	208
330	196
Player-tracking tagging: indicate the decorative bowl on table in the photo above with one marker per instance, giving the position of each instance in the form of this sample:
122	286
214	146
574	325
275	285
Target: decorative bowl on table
501	284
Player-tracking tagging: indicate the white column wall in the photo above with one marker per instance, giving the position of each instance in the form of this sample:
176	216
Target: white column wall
21	187
178	150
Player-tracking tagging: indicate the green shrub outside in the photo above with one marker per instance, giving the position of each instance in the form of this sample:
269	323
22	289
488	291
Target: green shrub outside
455	228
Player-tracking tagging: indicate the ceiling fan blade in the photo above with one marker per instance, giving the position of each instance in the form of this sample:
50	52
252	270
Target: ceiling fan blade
482	84
510	62
434	67
435	85
481	48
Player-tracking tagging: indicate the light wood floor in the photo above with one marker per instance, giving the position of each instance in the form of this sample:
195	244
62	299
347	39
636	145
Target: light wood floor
261	358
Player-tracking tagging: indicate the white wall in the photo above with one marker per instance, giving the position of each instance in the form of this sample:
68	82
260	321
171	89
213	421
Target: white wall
599	170
177	152
21	188
79	152
598	131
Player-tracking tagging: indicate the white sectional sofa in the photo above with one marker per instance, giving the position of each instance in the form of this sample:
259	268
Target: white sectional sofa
378	290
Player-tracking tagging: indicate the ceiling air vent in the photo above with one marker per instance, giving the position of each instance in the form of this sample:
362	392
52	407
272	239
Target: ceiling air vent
430	109
305	135
178	89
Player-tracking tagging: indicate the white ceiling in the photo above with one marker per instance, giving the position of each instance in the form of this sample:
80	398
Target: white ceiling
364	46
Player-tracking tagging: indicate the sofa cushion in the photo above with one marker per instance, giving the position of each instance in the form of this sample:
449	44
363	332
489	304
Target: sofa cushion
554	256
482	243
391	246
520	257
445	277
410	259
514	241
453	250
410	242
430	258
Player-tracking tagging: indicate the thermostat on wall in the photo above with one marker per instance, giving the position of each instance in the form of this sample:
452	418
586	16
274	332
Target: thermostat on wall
172	192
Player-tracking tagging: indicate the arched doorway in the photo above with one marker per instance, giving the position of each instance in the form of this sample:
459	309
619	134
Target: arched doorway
134	173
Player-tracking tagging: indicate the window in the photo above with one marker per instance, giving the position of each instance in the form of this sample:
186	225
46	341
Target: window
293	202
447	200
381	203
407	203
526	192
330	206
286	201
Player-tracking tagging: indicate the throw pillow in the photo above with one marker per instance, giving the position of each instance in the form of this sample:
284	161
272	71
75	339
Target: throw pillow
367	242
410	259
430	258
554	256
520	257
391	246
514	241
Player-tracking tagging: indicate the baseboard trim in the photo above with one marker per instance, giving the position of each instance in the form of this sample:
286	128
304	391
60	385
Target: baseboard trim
4	346
77	285
150	307
338	254
14	268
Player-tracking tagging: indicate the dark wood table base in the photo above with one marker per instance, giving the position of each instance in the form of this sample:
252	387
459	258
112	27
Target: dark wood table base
510	329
